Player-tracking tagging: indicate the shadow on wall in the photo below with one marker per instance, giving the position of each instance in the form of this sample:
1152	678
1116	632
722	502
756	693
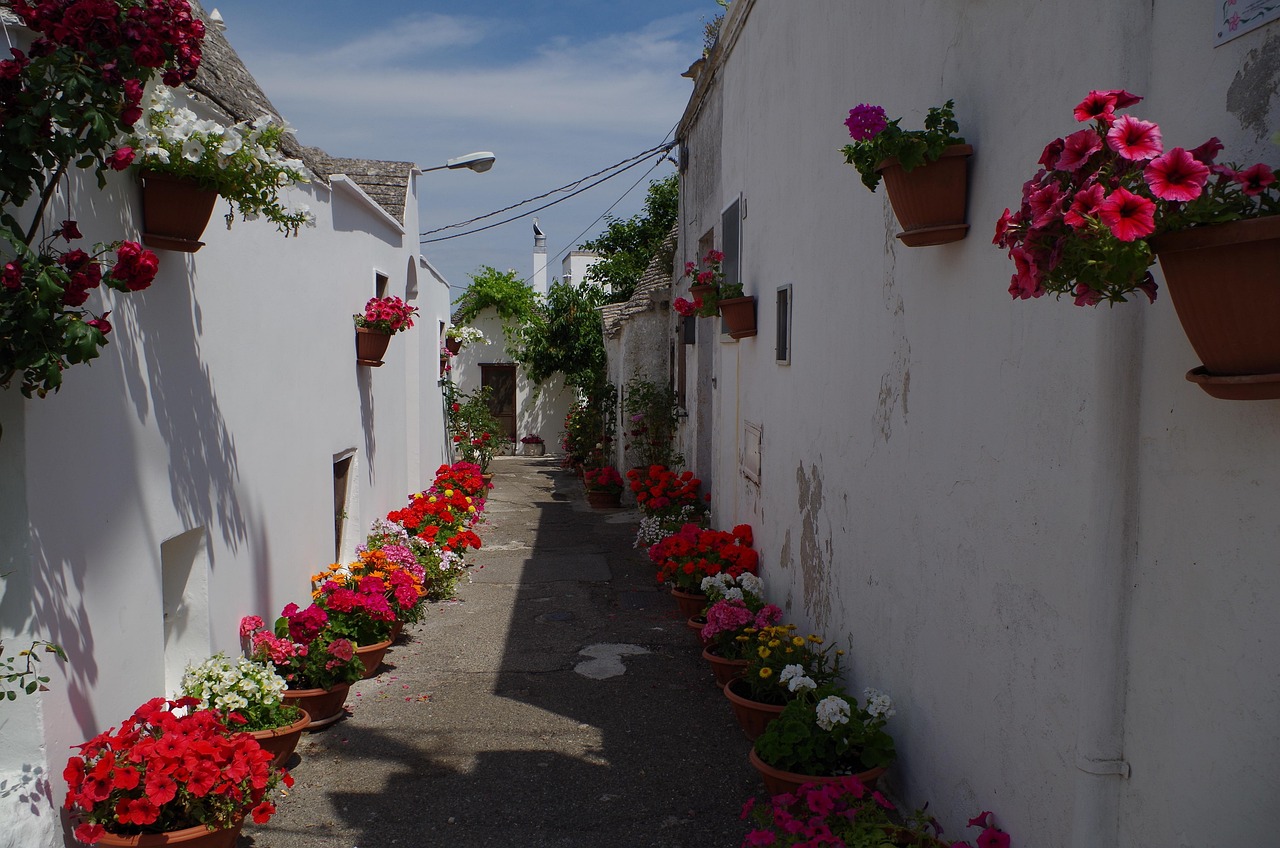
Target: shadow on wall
364	382
159	347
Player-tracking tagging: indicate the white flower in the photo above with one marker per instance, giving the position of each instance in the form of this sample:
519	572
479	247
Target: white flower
879	705
193	149
231	142
734	594
832	710
750	583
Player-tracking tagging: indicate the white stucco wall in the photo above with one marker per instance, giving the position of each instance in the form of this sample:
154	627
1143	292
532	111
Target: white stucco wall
217	411
980	498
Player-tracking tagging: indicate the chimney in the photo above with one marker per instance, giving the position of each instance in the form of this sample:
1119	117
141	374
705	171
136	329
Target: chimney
539	259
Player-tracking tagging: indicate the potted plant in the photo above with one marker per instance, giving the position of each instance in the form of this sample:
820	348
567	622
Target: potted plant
533	445
440	569
185	162
780	665
707	279
1109	198
823	734
686	557
925	171
172	773
474	427
318	666
382	318
459	336
667	501
358	609
252	691
396	566
732	620
603	487
442	517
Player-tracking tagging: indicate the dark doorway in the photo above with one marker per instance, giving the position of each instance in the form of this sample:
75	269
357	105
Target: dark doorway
502	402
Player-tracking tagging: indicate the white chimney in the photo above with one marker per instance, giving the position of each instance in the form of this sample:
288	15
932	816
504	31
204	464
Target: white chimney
539	259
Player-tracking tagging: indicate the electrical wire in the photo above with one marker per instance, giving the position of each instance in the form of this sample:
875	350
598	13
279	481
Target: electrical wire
664	147
536	208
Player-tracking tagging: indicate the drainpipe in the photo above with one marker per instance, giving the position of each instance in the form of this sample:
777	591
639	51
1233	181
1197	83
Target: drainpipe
1105	580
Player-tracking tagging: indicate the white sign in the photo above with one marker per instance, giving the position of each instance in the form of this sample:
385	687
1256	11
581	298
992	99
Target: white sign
1236	17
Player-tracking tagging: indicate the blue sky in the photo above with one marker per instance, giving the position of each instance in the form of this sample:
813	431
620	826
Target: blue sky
557	90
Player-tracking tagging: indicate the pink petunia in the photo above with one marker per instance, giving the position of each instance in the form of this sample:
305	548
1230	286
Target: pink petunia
1135	139
1084	205
1046	205
1207	152
1077	149
1099	105
1129	216
1176	176
1256	179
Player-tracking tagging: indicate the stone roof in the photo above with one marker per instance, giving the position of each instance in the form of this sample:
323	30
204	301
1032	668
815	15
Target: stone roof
386	182
654	288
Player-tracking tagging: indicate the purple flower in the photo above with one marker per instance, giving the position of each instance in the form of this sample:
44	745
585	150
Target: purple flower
866	122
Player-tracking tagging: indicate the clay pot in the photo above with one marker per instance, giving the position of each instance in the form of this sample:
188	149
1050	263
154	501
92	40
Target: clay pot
175	212
281	741
929	201
452	345
778	782
753	716
371	656
690	603
192	837
324	706
371	346
739	315
724	670
601	499
1224	285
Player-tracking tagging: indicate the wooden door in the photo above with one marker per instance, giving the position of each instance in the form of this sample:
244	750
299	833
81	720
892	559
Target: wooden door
502	403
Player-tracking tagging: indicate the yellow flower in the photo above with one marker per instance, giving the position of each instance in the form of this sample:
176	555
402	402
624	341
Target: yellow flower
742	638
448	493
839	653
418	495
797	641
468	499
789	651
815	639
431	499
763	652
471	509
773	643
766	672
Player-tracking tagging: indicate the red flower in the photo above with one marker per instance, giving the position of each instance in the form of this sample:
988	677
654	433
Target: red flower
263	812
120	158
1129	216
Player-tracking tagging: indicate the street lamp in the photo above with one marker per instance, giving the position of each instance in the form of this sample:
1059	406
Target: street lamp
478	162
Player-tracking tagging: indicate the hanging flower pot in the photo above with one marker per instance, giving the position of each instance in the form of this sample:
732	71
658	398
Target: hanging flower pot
454	346
1225	284
929	201
175	212
371	346
739	315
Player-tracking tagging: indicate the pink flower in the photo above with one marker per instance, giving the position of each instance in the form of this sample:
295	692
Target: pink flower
1256	179
865	122
1086	296
992	838
1176	176
102	325
121	158
249	624
1135	139
1084	205
1123	98
1098	105
1129	216
12	275
1077	149
1046	205
1207	152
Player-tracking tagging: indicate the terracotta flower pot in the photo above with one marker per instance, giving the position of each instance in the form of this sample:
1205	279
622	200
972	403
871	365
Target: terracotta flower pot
396	629
696	623
739	315
777	781
929	201
690	603
533	448
371	656
703	292
174	212
603	499
724	670
281	741
192	837
452	345
1224	281
753	716
371	346
323	705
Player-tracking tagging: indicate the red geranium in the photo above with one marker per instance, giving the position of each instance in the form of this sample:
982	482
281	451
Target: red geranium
169	767
686	557
662	492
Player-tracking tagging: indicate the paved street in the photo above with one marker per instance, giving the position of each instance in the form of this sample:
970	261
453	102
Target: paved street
560	702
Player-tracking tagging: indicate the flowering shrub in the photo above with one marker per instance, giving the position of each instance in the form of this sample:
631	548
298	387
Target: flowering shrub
242	162
875	139
846	812
440	570
386	315
732	624
782	664
169	767
823	731
302	649
42	293
63	102
357	606
606	479
684	558
250	689
1083	223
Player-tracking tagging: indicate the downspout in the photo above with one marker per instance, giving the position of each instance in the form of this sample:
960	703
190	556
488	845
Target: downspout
1105	582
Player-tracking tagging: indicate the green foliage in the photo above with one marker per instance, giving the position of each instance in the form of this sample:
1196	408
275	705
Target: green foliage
795	741
471	424
651	420
565	336
589	426
514	300
27	678
912	148
627	246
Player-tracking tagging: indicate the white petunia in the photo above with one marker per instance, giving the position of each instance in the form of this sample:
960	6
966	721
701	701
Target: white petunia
832	710
193	150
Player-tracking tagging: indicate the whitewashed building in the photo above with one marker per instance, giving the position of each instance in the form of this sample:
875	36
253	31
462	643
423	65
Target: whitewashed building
223	448
1058	556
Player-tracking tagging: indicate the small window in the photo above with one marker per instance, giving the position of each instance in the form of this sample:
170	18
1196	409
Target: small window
782	346
381	282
